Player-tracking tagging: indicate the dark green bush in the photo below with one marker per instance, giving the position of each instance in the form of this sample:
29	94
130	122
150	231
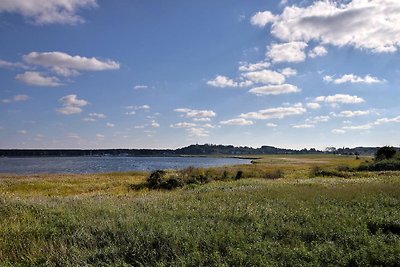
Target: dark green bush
239	175
317	171
383	165
155	179
384	153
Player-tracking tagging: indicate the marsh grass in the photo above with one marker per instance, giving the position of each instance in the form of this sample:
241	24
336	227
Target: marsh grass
323	221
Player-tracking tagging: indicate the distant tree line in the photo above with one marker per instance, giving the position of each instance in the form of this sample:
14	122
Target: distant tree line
206	149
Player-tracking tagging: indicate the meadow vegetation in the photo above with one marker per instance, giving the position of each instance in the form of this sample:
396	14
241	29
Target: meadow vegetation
280	211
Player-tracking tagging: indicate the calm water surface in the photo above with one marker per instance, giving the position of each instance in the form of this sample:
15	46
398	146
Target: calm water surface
107	164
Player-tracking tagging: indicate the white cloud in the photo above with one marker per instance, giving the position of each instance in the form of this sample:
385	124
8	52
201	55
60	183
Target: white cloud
201	119
197	132
223	81
144	107
97	115
289	72
89	119
338	131
239	121
274	113
340	98
349	113
261	19
303	126
387	120
12	65
67	65
183	125
351	78
138	87
318	51
208	125
274	89
16	98
37	79
287	52
71	105
48	11
358	127
271	125
313	105
254	66
110	125
193	113
130	113
154	124
318	119
364	24
265	76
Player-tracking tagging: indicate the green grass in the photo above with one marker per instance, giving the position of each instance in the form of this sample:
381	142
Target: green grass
97	220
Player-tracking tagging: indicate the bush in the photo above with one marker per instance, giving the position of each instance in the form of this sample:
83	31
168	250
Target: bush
386	152
383	165
155	179
317	171
239	175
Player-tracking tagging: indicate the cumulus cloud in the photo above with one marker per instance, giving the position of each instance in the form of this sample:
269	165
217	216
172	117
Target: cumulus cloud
254	66
265	76
274	89
349	113
48	11
313	105
318	119
340	99
275	113
223	81
183	125
318	51
193	113
387	120
138	87
110	125
94	117
66	65
238	121
261	19
16	98
288	72
351	78
358	127
303	126
202	119
271	125
71	105
12	65
38	79
287	52
363	24
154	124
100	136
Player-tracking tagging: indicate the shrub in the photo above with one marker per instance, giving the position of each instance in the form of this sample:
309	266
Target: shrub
155	179
386	152
239	175
383	165
317	171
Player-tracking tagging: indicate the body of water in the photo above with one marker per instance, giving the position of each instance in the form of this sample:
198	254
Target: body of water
107	164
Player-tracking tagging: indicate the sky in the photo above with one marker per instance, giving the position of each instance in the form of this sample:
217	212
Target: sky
166	74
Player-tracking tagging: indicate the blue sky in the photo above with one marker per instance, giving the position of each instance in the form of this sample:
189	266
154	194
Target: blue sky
158	74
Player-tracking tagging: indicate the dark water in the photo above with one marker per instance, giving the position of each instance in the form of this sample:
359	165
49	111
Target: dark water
107	164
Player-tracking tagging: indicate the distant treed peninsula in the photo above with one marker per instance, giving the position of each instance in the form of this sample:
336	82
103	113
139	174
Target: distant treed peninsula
206	149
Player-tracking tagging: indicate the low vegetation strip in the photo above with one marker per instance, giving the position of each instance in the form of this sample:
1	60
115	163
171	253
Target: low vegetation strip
98	220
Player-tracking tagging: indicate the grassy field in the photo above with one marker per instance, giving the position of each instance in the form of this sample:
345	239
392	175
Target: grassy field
104	219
